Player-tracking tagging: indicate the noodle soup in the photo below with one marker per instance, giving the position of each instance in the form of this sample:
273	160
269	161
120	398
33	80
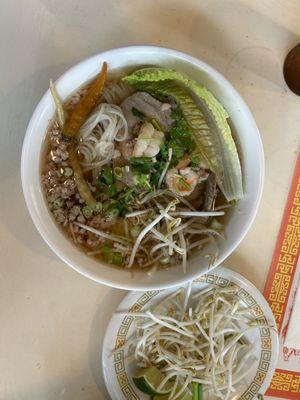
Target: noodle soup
139	171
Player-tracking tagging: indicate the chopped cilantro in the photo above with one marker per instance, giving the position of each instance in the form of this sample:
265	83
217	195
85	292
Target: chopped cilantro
195	160
159	166
147	171
177	150
180	138
176	114
182	134
141	164
142	180
106	176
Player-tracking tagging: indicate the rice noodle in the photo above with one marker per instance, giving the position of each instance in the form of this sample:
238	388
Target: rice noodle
105	126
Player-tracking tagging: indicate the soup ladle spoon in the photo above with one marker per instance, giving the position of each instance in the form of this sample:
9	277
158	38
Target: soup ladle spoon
291	69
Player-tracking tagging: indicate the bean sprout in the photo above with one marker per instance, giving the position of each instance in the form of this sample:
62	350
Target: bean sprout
198	337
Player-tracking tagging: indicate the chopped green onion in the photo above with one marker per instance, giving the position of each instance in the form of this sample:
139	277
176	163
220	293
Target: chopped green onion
110	256
57	203
215	224
68	172
113	210
117	258
142	180
135	231
98	207
128	198
111	191
155	124
87	212
114	213
197	391
105	248
118	172
106	176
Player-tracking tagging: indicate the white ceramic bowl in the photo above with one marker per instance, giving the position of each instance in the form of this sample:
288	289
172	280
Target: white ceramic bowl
246	136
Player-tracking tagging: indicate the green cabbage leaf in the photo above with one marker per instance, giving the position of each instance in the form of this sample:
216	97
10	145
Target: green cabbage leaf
207	119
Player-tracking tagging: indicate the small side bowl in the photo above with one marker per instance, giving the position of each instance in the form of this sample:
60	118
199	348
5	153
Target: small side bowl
246	136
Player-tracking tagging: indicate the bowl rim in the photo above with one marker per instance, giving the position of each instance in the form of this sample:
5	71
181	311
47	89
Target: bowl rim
221	80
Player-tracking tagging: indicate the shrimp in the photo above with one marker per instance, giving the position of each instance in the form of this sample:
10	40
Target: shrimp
182	181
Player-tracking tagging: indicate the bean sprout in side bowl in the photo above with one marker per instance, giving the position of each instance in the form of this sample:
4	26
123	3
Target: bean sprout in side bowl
213	338
142	168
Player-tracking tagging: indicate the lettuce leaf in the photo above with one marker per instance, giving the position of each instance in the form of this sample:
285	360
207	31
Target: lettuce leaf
207	119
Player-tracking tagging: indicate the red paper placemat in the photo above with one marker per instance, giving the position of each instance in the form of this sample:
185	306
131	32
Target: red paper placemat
280	290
